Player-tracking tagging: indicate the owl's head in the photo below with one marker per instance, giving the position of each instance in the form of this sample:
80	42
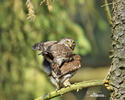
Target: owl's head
68	42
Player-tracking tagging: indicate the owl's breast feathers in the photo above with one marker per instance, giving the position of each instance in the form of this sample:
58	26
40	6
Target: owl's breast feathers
72	66
60	50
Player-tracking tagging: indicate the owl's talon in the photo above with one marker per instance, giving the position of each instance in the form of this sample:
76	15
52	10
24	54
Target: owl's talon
58	88
67	83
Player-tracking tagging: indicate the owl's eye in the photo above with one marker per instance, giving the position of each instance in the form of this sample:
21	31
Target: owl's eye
67	42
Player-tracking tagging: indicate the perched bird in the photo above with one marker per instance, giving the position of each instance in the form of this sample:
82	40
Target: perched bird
56	52
66	72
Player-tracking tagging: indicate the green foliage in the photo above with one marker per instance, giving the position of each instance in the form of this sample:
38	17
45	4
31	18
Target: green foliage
21	77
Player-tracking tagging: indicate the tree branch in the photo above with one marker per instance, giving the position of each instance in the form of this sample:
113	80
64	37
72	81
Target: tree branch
108	12
75	86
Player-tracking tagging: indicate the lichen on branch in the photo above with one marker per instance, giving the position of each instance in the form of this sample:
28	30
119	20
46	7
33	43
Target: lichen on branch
75	86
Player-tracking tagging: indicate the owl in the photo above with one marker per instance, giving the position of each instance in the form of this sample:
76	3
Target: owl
56	52
67	70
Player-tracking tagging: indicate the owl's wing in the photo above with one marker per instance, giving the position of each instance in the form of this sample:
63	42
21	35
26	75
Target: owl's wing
69	67
43	45
48	56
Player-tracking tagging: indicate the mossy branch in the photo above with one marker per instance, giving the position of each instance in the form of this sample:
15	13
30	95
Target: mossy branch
75	86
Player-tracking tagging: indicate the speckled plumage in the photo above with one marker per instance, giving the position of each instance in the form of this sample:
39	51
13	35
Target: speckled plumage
59	61
56	52
69	67
66	72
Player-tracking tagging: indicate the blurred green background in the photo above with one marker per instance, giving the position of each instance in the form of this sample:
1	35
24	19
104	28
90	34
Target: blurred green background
21	74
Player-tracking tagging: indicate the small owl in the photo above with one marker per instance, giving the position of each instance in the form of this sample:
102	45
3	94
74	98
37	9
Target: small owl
56	52
67	70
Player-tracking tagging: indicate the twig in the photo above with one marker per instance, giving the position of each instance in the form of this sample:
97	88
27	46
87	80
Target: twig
42	2
31	15
76	86
50	8
106	4
108	12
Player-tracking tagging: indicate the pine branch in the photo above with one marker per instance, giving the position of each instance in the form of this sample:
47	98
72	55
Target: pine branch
31	14
76	86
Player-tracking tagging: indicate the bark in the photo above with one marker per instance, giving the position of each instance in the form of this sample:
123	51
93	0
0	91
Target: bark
116	76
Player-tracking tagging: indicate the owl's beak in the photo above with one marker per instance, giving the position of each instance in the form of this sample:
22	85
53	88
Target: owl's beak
70	45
